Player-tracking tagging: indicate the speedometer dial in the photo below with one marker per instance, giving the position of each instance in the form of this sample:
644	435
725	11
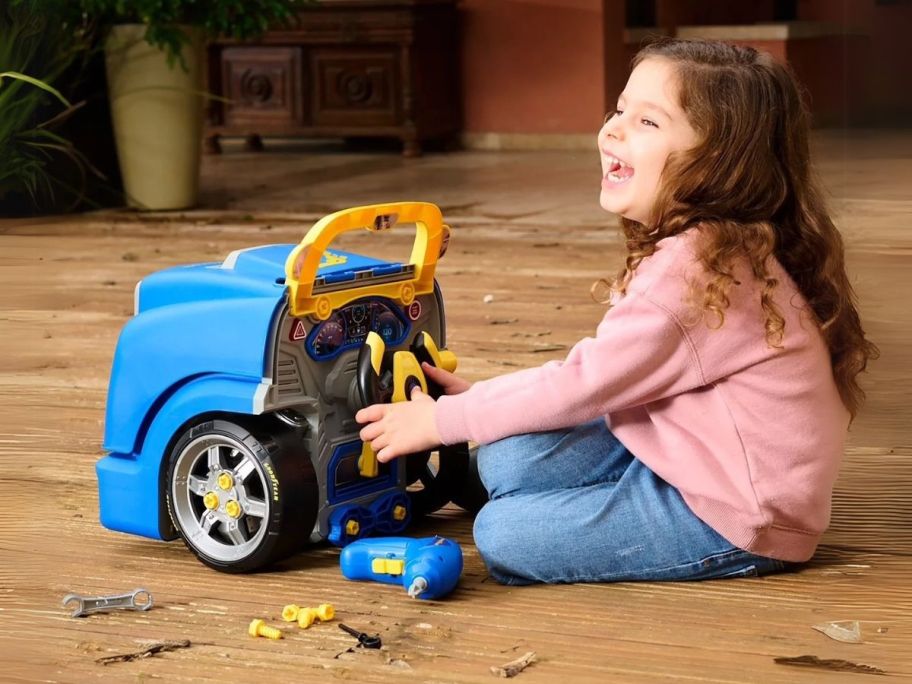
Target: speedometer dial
330	336
388	326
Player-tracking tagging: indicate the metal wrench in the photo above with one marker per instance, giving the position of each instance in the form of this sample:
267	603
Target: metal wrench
101	604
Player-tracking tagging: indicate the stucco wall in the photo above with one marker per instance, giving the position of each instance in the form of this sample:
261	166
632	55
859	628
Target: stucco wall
532	66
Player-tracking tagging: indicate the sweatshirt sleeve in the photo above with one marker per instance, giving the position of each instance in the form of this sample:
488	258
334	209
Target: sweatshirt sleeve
641	353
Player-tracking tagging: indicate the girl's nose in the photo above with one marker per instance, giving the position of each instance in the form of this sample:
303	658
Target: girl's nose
612	128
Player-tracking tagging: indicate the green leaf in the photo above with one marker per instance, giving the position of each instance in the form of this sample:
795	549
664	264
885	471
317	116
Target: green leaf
35	82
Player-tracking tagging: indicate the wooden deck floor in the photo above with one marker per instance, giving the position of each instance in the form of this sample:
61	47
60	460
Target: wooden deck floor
527	230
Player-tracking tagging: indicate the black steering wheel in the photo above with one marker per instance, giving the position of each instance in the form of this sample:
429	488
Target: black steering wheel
439	482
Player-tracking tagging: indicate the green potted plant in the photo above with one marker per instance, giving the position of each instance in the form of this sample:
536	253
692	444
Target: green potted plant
154	58
41	169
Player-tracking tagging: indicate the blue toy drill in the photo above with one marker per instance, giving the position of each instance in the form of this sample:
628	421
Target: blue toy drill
428	568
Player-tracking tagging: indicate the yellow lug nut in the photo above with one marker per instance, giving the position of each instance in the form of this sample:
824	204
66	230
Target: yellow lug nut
325	611
211	500
233	509
399	512
225	481
352	528
290	612
260	628
306	617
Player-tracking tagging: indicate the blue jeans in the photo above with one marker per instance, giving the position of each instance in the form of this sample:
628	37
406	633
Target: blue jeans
575	505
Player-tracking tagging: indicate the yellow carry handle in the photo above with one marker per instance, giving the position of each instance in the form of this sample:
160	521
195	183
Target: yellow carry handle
304	260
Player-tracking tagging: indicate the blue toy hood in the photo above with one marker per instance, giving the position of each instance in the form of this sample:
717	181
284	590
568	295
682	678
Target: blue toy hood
256	273
246	273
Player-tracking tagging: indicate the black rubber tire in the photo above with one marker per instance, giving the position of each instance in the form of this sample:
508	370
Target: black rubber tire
438	487
472	495
287	479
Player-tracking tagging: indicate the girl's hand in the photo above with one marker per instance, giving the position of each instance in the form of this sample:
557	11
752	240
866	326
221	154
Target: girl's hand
402	428
450	383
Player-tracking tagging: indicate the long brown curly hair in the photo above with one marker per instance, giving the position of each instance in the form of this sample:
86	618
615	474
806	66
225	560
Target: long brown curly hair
748	186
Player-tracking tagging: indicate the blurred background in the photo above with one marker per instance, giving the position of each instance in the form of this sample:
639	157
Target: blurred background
125	96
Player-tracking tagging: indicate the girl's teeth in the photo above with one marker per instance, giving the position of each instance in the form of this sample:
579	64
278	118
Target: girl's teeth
618	170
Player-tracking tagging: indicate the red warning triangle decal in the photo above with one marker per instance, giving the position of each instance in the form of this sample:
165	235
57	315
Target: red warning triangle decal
298	332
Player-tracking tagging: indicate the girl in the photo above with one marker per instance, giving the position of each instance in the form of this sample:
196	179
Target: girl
699	433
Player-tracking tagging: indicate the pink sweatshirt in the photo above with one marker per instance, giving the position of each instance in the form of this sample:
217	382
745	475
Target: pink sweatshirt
751	435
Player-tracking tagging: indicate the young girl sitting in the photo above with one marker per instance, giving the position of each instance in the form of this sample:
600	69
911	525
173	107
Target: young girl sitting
699	433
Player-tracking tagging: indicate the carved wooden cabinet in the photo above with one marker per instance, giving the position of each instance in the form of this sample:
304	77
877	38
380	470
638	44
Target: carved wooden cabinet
347	68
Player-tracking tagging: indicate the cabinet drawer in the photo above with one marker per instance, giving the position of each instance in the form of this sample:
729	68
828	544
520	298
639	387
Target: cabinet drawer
354	87
263	84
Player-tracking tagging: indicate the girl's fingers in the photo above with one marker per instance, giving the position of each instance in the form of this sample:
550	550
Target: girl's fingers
370	432
380	443
434	372
450	382
371	413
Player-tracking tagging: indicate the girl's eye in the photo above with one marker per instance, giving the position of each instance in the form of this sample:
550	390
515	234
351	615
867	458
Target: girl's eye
610	115
647	122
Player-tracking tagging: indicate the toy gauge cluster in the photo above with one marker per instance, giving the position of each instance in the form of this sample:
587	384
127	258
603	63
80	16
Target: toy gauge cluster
348	327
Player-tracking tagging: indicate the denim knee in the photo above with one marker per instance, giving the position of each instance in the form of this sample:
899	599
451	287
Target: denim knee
496	544
488	534
493	464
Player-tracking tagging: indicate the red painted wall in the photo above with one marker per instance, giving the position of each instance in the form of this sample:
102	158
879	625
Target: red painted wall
533	66
555	66
888	61
708	12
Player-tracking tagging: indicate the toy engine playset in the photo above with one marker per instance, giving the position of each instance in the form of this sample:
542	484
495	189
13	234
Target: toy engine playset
230	415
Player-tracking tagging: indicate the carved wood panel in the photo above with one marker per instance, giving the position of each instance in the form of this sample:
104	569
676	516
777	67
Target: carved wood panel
345	68
354	88
263	84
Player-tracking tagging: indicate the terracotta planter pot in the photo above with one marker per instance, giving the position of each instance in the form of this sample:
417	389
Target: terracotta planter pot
157	112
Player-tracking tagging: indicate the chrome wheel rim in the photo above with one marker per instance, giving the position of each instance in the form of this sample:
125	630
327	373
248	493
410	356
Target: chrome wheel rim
220	497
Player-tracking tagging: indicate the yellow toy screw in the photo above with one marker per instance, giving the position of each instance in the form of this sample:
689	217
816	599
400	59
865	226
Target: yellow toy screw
233	509
290	612
260	628
306	616
325	611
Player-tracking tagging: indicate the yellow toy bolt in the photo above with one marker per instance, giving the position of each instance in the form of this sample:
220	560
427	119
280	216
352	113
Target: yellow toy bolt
260	628
290	612
325	611
305	617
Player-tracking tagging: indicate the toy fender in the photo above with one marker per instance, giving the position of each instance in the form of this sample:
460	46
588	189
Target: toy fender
126	502
181	342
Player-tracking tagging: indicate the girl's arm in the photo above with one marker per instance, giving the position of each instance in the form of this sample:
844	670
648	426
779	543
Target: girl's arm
641	354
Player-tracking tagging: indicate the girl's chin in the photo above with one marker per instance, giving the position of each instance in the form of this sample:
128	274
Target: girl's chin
609	202
619	211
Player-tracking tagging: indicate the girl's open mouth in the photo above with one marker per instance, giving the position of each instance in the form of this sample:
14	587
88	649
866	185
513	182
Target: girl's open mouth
618	171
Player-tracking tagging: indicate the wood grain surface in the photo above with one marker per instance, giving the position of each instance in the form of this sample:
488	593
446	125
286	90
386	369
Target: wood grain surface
527	231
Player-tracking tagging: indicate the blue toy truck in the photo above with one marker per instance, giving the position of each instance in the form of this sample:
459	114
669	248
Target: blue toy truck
230	413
